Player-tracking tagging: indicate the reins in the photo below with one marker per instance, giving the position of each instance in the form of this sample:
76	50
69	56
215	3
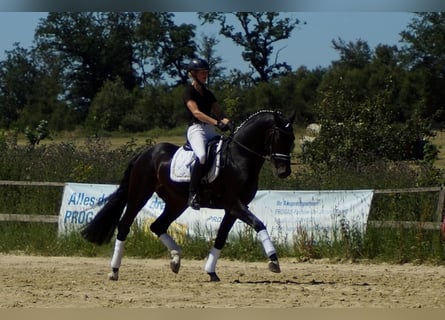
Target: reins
276	156
250	150
272	156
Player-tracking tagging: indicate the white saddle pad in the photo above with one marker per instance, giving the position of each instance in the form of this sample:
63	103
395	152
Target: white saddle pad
182	163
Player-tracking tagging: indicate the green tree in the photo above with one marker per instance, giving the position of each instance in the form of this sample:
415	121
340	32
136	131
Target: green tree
351	72
424	53
207	51
29	91
91	48
38	134
259	32
361	73
18	77
109	106
164	46
156	106
297	91
352	54
354	135
365	112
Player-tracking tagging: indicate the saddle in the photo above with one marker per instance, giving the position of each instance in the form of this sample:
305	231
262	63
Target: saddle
184	159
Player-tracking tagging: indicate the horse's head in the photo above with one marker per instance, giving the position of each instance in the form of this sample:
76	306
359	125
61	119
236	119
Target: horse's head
269	135
281	143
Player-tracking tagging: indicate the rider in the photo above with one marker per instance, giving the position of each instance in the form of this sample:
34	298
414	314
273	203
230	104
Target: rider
205	113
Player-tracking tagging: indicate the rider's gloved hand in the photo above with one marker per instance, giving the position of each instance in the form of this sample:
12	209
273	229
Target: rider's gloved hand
231	126
223	126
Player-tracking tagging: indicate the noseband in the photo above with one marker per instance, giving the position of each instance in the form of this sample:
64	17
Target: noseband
278	156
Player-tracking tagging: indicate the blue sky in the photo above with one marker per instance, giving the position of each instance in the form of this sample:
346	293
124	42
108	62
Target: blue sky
310	44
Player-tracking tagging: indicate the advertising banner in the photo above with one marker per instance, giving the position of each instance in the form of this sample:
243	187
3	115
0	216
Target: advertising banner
317	213
285	213
80	203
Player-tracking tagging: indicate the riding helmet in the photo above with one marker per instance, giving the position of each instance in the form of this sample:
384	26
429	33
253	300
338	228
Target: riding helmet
198	64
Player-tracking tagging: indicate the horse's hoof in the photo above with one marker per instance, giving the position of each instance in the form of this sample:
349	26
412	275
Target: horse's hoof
274	266
113	276
175	262
213	277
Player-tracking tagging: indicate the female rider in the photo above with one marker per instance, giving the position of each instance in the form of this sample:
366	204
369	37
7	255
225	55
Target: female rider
205	113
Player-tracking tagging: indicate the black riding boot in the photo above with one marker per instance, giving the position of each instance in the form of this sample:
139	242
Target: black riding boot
195	180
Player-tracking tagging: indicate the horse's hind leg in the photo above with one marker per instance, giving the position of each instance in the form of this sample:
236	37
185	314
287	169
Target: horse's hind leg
123	228
116	259
245	215
160	227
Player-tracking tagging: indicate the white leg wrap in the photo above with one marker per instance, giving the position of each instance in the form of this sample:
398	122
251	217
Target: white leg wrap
169	242
117	254
268	246
210	265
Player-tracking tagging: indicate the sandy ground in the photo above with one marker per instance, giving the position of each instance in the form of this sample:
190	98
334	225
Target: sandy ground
72	282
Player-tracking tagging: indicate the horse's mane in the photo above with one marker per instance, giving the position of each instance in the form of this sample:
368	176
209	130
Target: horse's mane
255	115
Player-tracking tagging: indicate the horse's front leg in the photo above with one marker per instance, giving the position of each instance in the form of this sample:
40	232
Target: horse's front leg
221	238
175	251
159	227
245	215
269	249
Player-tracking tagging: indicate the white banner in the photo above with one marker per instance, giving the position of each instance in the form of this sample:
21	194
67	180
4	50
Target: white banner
80	203
318	213
285	213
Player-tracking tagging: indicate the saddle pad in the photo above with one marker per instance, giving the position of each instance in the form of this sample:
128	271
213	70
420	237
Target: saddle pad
183	161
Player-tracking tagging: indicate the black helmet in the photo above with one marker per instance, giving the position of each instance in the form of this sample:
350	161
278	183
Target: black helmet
198	64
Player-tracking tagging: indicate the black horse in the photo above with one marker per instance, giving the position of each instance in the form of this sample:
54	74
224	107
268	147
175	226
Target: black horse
265	135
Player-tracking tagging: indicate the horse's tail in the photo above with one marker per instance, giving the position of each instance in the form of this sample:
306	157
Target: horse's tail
100	230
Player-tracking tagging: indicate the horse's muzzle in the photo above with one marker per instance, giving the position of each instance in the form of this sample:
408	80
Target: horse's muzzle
283	171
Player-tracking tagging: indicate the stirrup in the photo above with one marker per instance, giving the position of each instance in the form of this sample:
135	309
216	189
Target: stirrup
193	202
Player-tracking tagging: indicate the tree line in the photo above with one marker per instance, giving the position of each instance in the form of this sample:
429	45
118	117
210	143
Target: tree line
116	71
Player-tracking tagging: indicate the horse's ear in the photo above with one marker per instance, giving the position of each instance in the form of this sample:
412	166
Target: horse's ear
278	118
281	119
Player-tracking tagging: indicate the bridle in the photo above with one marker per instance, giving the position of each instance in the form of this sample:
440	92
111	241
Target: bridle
272	155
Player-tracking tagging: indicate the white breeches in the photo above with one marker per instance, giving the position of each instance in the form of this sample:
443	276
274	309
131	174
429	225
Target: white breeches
198	135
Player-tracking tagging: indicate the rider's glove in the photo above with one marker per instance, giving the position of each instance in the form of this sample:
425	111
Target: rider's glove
222	126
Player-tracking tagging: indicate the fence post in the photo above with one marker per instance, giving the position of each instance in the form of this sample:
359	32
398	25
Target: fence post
440	213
